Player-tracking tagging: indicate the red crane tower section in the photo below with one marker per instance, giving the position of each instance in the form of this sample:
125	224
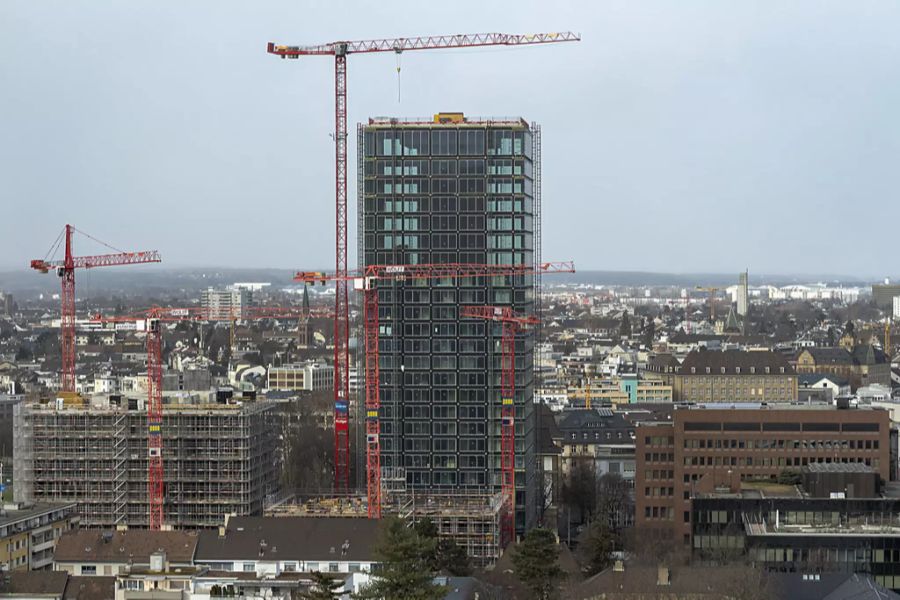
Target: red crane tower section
367	282
153	318
340	50
510	324
66	270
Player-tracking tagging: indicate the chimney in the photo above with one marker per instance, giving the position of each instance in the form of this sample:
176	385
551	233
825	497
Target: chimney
158	561
221	531
619	566
662	577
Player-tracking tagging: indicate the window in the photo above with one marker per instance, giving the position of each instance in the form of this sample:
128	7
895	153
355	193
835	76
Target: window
89	569
443	143
249	567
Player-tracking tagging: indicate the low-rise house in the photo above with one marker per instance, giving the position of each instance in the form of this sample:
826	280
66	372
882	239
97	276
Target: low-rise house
111	553
267	546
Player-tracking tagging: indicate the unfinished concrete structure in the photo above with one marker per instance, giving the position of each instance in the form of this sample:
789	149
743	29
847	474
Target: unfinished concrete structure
219	459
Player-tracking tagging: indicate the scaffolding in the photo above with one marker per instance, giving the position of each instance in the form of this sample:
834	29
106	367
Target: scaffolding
220	459
470	518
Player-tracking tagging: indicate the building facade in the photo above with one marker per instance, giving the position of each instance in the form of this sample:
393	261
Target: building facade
745	442
735	376
227	304
219	459
451	190
29	533
860	364
305	377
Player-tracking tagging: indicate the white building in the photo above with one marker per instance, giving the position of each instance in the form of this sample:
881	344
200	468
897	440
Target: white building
311	376
227	304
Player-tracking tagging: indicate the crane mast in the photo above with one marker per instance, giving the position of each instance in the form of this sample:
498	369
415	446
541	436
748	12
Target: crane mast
340	51
367	280
510	324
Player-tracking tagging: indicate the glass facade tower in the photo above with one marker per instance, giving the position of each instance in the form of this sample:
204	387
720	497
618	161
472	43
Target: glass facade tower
451	190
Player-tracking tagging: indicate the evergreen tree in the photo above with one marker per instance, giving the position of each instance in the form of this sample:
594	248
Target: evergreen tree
324	587
405	572
597	548
536	561
649	333
625	326
447	557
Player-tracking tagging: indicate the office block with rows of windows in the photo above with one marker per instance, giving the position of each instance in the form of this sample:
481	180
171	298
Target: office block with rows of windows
451	190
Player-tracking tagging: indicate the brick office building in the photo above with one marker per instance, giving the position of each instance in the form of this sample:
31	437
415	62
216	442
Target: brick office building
706	446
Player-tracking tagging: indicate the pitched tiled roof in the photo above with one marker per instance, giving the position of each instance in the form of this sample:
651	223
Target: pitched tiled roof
276	538
830	356
135	545
735	362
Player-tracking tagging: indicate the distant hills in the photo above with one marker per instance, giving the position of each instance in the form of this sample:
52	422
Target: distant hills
150	280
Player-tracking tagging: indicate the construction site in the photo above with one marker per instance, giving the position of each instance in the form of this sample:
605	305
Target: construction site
471	518
454	440
220	460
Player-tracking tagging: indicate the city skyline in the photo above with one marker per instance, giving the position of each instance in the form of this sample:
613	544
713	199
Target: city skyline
754	128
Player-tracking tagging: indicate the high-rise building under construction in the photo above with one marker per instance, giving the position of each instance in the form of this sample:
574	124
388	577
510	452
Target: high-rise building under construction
451	190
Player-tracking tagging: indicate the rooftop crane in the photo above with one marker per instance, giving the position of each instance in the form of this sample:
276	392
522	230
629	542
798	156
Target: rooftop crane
367	281
65	268
510	324
153	319
340	50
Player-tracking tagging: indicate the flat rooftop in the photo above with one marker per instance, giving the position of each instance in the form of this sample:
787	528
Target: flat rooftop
13	516
771	406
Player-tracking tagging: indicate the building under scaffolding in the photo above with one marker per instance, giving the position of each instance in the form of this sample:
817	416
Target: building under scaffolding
471	518
219	459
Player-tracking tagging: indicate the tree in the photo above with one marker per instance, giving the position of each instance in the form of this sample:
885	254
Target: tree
447	556
536	563
599	542
579	490
405	572
625	326
649	333
323	587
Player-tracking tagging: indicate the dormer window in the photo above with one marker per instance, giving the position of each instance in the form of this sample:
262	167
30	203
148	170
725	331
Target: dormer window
737	370
693	369
723	370
767	370
782	370
752	370
707	370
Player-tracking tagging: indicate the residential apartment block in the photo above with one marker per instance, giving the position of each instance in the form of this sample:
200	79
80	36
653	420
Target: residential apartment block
227	304
29	533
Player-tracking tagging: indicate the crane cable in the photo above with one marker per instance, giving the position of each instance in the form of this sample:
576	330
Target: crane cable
399	53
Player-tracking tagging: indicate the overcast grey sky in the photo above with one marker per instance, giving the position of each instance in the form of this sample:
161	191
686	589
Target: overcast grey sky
677	136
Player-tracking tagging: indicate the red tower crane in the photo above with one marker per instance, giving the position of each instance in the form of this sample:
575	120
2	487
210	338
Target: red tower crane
340	50
66	270
367	281
510	324
153	318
